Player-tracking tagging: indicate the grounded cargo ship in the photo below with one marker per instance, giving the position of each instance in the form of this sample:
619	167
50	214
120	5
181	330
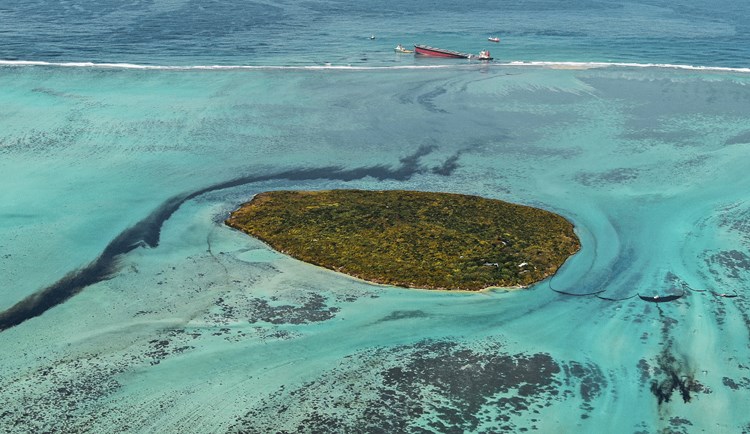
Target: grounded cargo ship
426	50
439	52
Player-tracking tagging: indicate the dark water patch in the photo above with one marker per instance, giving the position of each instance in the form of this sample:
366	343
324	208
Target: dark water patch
674	280
470	379
741	138
736	217
19	216
54	398
448	166
741	384
743	309
678	421
312	310
298	307
447	386
730	383
55	93
621	175
346	296
65	288
427	100
727	269
683	99
720	314
45	142
592	383
146	233
160	349
667	324
645	371
678	425
692	163
734	263
674	375
73	394
670	372
663	389
403	314
649	135
227	312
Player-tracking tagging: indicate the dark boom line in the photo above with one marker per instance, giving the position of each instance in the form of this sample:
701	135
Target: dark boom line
146	232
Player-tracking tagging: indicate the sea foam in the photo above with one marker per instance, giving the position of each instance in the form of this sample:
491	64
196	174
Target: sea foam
514	63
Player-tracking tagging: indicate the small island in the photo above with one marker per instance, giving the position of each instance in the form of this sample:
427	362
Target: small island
411	238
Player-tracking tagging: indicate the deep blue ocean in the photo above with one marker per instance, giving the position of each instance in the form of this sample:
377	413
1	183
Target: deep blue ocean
129	130
237	32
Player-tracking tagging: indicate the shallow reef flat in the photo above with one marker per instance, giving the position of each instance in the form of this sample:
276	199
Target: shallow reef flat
197	327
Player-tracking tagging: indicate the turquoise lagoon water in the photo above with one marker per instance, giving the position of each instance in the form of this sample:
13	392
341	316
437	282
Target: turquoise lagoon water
116	180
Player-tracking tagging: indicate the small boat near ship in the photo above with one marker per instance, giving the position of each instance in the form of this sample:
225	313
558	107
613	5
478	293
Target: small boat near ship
426	50
483	55
493	39
400	49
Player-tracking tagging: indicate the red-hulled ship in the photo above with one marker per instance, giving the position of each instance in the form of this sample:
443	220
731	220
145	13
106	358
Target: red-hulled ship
439	52
426	50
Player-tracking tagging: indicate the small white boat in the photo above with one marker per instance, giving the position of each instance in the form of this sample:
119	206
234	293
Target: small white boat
483	55
493	39
400	49
372	36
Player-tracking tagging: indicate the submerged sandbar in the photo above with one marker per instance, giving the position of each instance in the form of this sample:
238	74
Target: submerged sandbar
411	238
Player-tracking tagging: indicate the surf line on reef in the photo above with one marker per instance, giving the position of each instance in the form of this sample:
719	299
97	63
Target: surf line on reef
147	231
327	66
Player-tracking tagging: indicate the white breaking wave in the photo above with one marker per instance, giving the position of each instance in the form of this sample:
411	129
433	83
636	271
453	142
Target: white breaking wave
208	67
537	64
591	65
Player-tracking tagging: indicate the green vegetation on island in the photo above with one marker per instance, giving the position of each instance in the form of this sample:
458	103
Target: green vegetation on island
411	238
